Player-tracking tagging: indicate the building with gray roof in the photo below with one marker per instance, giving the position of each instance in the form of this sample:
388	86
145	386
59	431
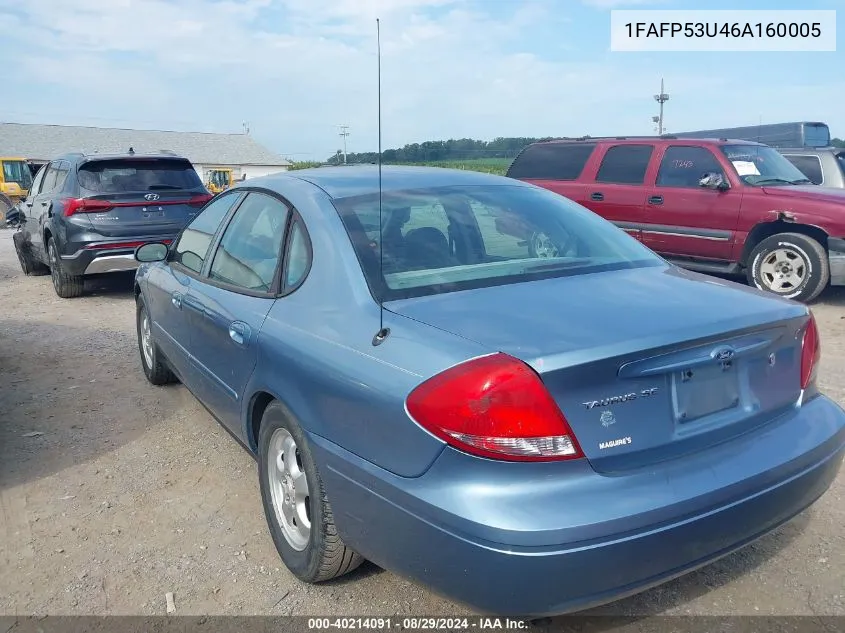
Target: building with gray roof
239	152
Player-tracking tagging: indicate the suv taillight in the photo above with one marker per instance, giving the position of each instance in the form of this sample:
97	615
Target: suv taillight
496	407
84	205
811	353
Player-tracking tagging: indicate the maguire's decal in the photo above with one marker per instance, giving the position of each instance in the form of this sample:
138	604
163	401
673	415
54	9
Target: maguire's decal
622	441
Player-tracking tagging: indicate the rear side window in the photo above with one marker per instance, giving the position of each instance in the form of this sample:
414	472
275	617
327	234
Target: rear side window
551	161
625	164
810	166
118	176
192	247
250	249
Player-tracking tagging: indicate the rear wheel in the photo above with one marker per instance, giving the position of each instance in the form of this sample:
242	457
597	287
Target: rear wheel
295	503
156	371
29	264
66	286
790	265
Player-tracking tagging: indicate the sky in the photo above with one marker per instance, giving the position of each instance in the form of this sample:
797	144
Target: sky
296	69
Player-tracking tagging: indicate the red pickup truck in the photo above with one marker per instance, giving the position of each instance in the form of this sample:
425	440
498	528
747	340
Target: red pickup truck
715	206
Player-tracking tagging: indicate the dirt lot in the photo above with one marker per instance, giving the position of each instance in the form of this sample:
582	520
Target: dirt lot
130	491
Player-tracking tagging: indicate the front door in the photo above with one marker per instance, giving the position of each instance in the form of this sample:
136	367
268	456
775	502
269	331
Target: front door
229	304
168	286
681	217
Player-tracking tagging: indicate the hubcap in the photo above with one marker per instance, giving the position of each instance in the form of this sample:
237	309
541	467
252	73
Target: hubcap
783	270
289	489
146	340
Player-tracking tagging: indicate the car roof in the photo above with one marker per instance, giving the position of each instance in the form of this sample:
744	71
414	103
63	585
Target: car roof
635	140
356	180
83	157
812	150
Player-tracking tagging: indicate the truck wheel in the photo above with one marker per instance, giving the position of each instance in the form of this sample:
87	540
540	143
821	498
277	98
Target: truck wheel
29	264
790	265
66	286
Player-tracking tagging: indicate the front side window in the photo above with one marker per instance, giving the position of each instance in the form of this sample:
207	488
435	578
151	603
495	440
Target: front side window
684	165
760	165
810	166
625	164
493	235
191	249
249	252
38	183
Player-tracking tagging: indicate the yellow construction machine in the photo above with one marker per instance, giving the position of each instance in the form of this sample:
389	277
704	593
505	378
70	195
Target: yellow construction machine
15	181
218	179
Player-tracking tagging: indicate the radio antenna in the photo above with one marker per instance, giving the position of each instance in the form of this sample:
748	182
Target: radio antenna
383	332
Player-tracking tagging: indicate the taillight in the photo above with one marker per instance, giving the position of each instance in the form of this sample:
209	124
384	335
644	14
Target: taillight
84	205
199	199
811	353
494	406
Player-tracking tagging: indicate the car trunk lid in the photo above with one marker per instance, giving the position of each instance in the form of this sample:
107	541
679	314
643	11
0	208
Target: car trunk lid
645	364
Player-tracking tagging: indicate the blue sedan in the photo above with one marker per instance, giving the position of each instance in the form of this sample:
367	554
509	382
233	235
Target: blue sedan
482	386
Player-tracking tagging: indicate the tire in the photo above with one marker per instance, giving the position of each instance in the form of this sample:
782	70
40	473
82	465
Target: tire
155	369
321	555
800	258
66	286
29	264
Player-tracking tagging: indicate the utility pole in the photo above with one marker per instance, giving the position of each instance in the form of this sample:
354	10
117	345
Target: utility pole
245	125
661	99
344	132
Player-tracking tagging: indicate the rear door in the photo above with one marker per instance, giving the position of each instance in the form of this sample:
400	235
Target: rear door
684	219
140	197
228	306
41	206
618	191
167	286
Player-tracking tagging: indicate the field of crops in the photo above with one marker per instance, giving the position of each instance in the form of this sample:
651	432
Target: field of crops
487	165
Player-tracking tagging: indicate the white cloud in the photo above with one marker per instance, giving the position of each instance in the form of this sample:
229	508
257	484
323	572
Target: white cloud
296	68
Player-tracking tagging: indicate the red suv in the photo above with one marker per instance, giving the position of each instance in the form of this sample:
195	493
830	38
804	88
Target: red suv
715	206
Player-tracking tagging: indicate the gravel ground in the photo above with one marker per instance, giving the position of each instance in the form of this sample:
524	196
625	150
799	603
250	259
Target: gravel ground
127	491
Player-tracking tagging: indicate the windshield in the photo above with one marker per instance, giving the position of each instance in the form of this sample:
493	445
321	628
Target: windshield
759	165
455	238
17	171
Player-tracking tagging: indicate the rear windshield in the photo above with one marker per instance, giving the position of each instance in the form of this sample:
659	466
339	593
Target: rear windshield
551	161
455	238
117	176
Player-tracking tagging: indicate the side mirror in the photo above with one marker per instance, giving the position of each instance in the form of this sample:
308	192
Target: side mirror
13	216
712	180
152	252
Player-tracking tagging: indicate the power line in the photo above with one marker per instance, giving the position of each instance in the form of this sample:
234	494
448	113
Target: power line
344	132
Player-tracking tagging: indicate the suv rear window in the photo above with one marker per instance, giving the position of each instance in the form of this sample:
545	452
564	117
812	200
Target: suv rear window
120	175
551	161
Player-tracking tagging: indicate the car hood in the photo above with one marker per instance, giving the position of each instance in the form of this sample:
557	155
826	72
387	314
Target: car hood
808	192
599	314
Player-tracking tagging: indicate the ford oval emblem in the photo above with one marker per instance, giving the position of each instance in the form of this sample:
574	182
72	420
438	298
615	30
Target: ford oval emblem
723	354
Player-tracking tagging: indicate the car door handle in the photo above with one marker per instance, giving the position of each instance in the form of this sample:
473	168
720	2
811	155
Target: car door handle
176	300
655	200
597	196
44	203
239	332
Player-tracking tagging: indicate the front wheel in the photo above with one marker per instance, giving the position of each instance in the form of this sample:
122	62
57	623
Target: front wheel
790	265
295	503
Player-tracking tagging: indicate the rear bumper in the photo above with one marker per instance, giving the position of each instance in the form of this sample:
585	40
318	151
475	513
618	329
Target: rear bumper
836	257
554	541
93	261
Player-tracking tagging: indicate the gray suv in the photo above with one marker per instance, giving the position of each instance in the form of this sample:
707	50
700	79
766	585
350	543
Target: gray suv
822	165
87	213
